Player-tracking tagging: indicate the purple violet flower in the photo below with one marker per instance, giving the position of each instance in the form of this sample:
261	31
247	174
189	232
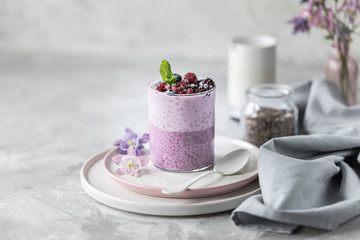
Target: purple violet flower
131	139
300	24
350	8
329	21
339	21
130	164
317	19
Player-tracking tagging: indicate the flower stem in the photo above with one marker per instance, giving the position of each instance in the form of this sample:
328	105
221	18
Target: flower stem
344	73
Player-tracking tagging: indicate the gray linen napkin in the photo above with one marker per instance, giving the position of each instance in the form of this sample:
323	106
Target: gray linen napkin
309	180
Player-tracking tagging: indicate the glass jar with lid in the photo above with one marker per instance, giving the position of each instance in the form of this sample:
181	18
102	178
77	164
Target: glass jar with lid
268	113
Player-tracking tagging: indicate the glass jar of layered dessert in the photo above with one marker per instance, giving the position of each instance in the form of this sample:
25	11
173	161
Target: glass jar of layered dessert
182	120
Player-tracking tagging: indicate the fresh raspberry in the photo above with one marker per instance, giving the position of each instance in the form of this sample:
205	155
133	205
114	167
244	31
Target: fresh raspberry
189	91
163	87
183	84
190	78
176	87
184	91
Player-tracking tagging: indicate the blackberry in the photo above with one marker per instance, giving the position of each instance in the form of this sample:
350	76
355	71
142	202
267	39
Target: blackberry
193	86
206	84
209	82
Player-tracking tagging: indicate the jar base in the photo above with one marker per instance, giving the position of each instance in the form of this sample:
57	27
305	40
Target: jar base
184	171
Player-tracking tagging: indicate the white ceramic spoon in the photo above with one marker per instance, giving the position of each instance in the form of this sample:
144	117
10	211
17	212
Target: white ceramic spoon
230	164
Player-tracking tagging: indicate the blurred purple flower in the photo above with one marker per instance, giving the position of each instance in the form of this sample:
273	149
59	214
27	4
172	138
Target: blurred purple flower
350	8
300	24
339	21
332	19
317	19
310	4
329	21
131	139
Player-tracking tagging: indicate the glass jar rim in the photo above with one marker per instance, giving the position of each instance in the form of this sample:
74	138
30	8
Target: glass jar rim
269	91
180	95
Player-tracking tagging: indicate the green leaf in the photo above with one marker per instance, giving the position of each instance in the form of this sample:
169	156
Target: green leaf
166	73
330	36
171	81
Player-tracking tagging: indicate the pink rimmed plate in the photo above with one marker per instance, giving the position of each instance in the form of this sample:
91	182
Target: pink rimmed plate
152	180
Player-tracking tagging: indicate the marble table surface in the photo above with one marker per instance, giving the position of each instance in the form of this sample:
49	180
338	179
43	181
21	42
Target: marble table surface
58	112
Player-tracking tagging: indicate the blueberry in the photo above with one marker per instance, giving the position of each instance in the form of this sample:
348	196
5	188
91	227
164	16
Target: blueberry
170	92
178	77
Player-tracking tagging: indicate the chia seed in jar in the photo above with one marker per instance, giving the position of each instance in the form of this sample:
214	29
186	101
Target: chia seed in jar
269	113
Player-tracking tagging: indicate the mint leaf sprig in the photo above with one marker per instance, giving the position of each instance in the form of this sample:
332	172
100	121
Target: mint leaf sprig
166	73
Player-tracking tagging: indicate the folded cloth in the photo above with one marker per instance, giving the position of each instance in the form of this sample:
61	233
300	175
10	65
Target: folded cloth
309	180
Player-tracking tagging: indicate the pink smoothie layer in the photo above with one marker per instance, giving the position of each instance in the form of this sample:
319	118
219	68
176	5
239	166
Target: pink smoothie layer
181	112
181	130
182	151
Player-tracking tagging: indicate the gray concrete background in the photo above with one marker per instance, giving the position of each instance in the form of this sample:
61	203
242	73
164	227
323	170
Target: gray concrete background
73	75
147	31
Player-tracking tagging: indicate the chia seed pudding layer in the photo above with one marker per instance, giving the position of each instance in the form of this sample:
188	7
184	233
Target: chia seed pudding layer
181	129
182	151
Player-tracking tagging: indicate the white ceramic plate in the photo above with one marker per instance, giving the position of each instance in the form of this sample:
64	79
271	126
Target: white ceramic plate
101	187
153	179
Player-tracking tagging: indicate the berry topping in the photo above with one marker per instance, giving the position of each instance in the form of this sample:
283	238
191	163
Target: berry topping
183	84
190	78
162	87
173	84
178	77
193	86
206	84
176	87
